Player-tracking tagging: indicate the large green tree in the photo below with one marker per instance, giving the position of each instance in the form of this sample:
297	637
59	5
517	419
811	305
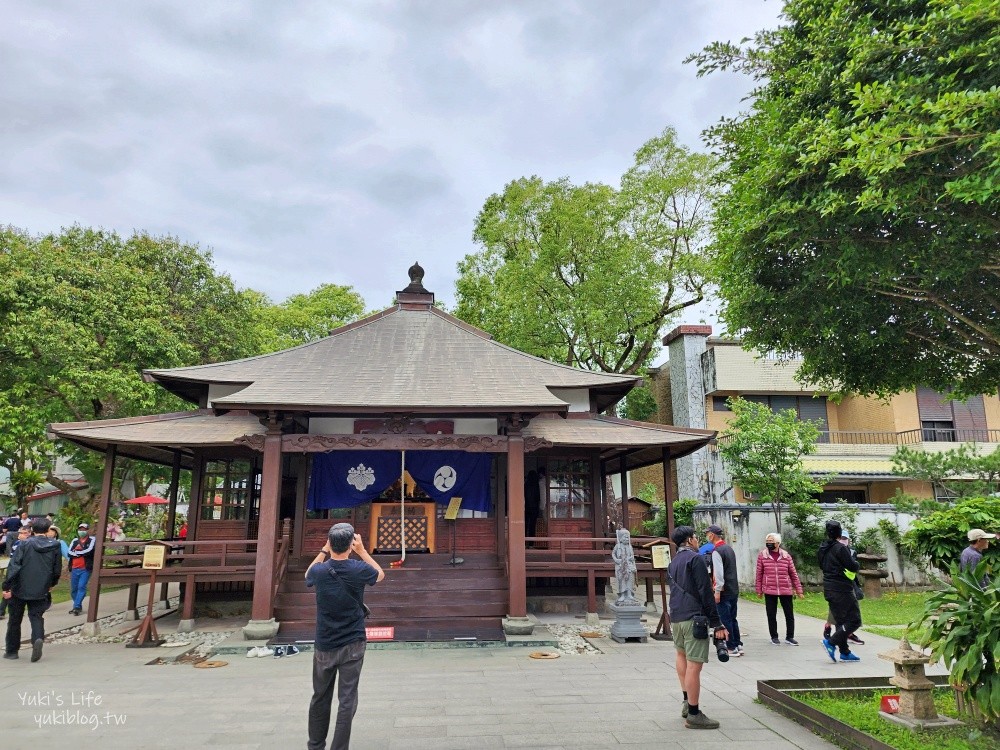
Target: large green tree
307	317
860	227
589	275
82	312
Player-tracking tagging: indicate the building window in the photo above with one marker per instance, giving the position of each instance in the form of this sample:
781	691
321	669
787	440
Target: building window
720	403
938	431
230	491
846	496
811	408
570	492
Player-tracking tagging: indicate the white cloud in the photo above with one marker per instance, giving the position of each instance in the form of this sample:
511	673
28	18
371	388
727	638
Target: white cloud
309	141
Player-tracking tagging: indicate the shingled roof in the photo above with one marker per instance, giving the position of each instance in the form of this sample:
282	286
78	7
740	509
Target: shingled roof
400	359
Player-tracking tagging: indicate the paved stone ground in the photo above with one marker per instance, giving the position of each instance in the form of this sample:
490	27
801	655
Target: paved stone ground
464	698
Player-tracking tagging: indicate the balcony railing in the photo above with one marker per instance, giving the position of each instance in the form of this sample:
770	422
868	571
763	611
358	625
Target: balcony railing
907	437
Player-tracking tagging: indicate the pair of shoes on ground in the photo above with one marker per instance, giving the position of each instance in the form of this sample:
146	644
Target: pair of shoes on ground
277	651
788	641
76	611
831	651
736	652
700	721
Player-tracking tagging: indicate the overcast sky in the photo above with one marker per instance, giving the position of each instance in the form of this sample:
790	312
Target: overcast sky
311	142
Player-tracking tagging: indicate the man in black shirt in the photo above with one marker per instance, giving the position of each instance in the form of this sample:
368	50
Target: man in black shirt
691	596
340	632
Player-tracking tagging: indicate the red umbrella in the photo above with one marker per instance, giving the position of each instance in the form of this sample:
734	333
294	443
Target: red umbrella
147	500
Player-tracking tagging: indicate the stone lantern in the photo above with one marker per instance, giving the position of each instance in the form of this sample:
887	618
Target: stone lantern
916	696
872	574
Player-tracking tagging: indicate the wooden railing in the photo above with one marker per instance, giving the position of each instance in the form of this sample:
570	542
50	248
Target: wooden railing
579	557
281	556
906	437
214	553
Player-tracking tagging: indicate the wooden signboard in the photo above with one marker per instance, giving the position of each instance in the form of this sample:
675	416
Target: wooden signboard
453	507
380	633
154	556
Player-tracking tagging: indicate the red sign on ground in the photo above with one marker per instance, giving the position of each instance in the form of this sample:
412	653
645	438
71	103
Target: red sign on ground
890	704
380	634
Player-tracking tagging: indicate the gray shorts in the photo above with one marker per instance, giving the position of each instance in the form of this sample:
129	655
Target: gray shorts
694	649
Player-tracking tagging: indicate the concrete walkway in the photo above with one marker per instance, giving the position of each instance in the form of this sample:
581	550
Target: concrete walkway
463	698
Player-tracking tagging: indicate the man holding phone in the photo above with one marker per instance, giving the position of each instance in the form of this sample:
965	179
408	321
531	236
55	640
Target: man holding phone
340	632
692	602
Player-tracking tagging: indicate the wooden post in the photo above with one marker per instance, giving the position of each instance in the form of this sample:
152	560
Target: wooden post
624	508
518	606
197	495
267	527
100	534
175	478
303	464
668	492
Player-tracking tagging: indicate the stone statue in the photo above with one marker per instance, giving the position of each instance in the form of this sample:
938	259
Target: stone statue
624	568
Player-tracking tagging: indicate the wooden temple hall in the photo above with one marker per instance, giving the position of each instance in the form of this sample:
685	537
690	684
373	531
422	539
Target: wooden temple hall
384	423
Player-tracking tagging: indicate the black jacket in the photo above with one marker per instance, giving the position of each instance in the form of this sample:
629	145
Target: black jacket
834	558
77	548
691	589
34	568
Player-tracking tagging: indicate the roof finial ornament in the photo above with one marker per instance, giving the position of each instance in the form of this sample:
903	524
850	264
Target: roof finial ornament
416	286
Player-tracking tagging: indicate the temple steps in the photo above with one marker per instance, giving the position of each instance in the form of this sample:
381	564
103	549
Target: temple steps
424	600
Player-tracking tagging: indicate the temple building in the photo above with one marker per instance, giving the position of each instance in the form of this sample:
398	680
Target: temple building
415	427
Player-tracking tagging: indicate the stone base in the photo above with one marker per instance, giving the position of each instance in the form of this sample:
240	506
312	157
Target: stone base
627	625
915	724
518	625
260	630
185	626
90	629
131	614
592	619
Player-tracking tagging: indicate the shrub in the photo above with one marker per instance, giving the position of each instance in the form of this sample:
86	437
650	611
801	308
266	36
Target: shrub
941	536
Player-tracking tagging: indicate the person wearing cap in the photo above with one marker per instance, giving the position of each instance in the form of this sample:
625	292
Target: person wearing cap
726	587
831	620
34	569
11	526
81	565
972	555
840	569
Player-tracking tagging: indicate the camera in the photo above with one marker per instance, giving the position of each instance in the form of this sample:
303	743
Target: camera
721	650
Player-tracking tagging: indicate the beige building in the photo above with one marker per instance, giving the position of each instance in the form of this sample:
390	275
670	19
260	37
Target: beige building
858	435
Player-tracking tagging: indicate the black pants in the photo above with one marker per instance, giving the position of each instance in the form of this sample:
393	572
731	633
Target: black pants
346	662
844	606
771	606
35	607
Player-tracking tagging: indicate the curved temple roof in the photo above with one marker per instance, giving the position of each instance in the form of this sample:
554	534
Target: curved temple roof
399	359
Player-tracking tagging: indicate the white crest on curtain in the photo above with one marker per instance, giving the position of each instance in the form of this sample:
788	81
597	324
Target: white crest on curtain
360	477
445	478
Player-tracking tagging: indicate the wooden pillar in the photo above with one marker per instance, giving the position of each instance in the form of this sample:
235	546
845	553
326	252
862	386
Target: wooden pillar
267	527
101	533
175	479
197	495
518	583
624	508
301	486
668	492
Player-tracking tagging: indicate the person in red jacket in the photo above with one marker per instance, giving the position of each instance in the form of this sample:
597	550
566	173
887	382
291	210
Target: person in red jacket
778	581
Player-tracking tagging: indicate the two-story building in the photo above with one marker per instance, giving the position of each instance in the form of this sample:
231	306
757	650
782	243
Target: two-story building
858	435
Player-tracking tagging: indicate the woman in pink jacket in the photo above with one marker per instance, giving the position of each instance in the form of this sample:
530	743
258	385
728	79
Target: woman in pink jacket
778	580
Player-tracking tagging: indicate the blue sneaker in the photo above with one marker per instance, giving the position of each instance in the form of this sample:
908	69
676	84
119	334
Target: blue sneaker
850	657
831	650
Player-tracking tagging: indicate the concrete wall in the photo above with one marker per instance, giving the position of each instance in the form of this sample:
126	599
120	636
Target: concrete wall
746	527
729	367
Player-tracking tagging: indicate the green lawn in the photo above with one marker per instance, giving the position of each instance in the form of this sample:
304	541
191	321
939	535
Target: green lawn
890	609
861	712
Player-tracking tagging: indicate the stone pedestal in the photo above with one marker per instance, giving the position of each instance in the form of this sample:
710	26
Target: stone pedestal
185	626
518	625
916	696
628	625
260	630
90	629
871	574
